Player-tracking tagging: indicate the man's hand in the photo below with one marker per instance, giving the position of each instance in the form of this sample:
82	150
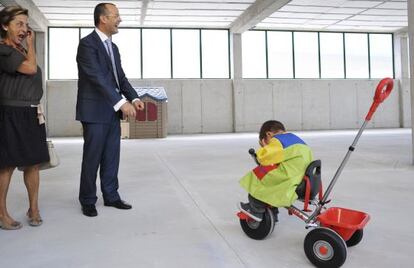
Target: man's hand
139	105
128	110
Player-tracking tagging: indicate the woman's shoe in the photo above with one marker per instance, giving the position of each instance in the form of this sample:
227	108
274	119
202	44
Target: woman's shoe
34	221
13	226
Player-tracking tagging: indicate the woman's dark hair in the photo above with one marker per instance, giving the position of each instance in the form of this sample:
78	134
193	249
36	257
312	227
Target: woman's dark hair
271	125
100	10
8	14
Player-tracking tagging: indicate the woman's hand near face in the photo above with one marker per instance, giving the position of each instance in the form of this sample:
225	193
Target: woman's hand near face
29	66
30	37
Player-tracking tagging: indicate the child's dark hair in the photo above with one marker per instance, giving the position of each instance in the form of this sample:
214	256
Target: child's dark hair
271	125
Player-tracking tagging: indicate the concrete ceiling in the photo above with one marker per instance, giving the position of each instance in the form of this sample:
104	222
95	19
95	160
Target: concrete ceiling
340	15
237	15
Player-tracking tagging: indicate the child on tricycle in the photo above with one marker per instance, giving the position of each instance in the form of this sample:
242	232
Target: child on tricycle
283	159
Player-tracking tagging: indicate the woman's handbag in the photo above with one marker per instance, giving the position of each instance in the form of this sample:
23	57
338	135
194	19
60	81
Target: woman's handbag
54	159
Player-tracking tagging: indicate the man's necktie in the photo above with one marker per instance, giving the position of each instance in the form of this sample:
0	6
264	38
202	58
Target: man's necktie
108	44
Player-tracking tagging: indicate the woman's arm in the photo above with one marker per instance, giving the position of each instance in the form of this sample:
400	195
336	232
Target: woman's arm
29	66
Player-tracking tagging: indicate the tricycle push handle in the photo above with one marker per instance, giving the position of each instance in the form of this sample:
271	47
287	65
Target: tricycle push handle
381	93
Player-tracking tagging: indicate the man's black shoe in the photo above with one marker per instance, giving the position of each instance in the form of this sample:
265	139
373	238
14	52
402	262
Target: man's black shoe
89	210
121	204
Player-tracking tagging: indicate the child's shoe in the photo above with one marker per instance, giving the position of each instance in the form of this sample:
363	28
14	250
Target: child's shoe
246	209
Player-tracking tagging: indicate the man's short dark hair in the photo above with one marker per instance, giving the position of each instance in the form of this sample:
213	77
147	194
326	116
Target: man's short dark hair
100	10
271	125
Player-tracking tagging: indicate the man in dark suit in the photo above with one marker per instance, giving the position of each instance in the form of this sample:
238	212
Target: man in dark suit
104	95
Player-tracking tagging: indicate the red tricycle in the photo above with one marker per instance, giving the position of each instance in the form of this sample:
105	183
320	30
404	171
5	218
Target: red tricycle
333	229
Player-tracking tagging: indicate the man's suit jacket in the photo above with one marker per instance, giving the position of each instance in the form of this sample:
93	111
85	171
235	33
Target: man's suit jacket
96	84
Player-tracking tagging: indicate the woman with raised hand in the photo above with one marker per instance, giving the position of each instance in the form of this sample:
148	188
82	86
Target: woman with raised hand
22	128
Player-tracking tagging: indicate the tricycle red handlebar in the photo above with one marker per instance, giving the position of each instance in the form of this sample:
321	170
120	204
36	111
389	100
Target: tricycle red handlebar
381	93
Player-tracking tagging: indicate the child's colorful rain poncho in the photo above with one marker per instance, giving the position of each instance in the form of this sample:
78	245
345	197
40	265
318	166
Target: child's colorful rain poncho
283	164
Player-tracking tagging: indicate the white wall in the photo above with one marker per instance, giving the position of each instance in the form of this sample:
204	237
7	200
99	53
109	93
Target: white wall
194	106
211	106
312	104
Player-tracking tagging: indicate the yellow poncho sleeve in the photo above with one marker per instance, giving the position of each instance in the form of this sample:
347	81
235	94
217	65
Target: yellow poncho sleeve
271	153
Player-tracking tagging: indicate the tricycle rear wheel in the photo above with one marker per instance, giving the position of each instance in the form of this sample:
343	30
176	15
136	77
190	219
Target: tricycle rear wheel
355	238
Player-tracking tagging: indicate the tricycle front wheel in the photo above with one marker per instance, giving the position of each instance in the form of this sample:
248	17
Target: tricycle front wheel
259	230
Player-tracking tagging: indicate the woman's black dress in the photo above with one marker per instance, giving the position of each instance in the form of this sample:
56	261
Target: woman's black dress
22	138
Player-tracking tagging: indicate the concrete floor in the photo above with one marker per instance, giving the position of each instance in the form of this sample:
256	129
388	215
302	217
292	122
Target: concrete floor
184	191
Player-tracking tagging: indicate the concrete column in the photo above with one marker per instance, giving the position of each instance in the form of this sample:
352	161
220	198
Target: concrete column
402	77
237	56
41	52
410	10
41	41
238	94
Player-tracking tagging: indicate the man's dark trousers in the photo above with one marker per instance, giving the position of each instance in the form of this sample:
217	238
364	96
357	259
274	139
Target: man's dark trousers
101	150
